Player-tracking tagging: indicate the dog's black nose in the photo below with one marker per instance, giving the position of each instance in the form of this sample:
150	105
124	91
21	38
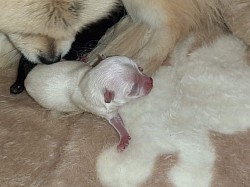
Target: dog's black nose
49	60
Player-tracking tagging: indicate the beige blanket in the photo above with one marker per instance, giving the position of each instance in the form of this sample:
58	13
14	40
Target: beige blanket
192	130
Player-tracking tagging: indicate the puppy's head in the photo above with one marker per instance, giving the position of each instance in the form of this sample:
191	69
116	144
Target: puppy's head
121	80
39	48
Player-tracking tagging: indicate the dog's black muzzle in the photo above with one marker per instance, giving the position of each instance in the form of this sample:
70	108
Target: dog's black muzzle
45	60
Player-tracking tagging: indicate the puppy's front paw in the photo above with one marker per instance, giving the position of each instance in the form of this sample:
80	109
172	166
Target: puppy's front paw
16	88
123	143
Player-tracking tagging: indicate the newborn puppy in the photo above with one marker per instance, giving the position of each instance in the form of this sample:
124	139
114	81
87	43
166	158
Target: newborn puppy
74	86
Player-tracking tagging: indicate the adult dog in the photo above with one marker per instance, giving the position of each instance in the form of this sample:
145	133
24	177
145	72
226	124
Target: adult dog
44	30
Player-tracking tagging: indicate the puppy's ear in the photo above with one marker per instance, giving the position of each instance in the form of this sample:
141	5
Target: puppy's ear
109	96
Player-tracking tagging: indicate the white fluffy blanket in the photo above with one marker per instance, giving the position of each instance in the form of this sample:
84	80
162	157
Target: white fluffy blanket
206	90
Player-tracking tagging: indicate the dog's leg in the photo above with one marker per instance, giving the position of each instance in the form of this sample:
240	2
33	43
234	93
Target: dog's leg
156	50
118	124
168	21
24	68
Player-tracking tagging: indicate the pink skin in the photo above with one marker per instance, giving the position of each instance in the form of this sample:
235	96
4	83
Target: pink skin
116	121
84	59
147	85
118	124
145	82
109	96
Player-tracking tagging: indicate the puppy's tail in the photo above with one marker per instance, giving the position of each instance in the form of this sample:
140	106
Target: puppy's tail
8	53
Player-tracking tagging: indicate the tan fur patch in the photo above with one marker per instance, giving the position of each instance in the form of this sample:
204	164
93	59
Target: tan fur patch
232	166
162	166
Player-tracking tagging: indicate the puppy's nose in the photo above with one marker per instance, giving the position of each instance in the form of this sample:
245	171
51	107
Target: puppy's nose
148	85
149	80
49	60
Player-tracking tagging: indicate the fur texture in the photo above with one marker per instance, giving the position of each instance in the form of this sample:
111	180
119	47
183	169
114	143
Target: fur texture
202	91
8	53
55	23
170	21
45	30
76	87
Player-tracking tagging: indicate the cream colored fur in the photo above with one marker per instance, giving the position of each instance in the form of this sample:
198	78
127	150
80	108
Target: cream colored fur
168	21
47	28
8	53
72	86
200	91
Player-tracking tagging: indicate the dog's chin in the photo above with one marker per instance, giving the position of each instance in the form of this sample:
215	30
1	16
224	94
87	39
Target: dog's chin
31	57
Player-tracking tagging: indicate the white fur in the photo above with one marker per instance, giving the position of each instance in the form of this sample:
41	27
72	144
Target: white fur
202	91
74	86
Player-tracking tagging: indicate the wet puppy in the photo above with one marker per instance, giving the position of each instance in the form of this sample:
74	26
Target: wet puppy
74	86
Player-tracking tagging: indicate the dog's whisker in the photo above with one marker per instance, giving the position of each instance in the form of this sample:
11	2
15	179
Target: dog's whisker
11	51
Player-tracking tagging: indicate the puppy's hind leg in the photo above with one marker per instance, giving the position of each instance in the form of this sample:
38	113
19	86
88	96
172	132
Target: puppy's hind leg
24	68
